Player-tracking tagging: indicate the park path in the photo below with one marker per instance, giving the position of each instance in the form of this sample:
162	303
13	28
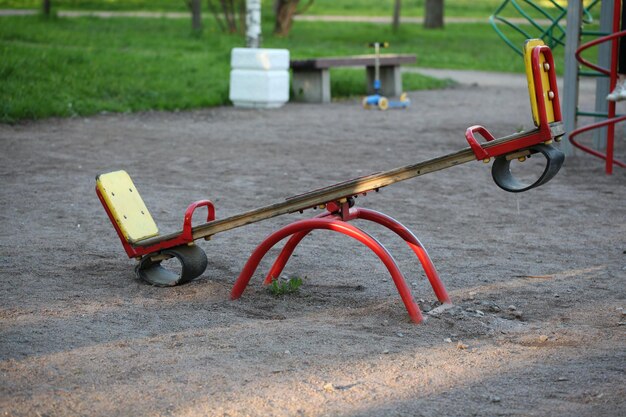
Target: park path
492	79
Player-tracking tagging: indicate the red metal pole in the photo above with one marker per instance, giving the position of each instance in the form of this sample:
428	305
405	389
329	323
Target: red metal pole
383	220
612	73
338	226
414	243
607	122
610	132
283	257
287	251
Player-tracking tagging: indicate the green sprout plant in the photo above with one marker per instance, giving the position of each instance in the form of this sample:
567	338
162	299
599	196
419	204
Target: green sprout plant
280	287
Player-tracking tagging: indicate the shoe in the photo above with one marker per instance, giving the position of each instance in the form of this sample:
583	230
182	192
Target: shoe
618	93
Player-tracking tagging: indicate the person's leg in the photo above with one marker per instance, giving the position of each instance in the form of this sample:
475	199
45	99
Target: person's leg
621	61
619	92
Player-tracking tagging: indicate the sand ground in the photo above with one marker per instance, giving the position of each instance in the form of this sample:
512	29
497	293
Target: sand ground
537	279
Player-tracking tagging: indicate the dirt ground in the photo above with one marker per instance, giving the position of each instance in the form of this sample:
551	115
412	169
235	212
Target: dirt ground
537	279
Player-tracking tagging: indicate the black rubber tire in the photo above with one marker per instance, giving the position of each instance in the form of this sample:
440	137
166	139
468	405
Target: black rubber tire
501	170
193	263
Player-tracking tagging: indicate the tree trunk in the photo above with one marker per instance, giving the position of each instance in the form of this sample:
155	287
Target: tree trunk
229	12
218	17
433	16
230	15
253	23
46	6
196	15
285	10
396	15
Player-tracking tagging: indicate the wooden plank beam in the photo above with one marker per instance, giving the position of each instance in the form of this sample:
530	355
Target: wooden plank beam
344	189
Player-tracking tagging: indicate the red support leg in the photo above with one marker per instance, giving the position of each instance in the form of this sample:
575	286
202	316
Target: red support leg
386	221
337	226
287	251
414	243
283	257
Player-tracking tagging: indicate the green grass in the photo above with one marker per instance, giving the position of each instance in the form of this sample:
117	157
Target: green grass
460	46
69	67
280	287
155	5
319	7
82	66
462	8
457	8
351	82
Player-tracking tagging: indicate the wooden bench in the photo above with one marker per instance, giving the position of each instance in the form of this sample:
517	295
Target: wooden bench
311	77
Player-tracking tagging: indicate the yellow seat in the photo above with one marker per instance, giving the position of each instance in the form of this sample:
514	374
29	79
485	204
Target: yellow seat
126	206
545	81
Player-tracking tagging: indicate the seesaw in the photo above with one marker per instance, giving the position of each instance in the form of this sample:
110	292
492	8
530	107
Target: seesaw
141	239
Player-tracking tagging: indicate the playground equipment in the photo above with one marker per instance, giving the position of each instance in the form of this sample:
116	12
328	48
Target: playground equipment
605	70
141	240
546	25
377	100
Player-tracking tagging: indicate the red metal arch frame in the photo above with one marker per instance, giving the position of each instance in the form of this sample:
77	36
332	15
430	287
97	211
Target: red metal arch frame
338	222
608	156
365	214
612	120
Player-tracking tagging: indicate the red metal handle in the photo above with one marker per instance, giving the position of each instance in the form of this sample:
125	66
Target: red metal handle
537	136
541	103
480	152
187	233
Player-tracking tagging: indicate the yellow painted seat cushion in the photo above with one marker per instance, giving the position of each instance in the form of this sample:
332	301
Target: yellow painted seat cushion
126	206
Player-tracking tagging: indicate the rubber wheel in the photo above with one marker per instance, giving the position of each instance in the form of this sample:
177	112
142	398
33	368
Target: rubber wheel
383	103
403	97
364	103
192	259
502	176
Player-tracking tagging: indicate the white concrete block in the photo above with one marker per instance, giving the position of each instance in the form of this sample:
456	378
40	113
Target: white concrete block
259	77
261	58
260	89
